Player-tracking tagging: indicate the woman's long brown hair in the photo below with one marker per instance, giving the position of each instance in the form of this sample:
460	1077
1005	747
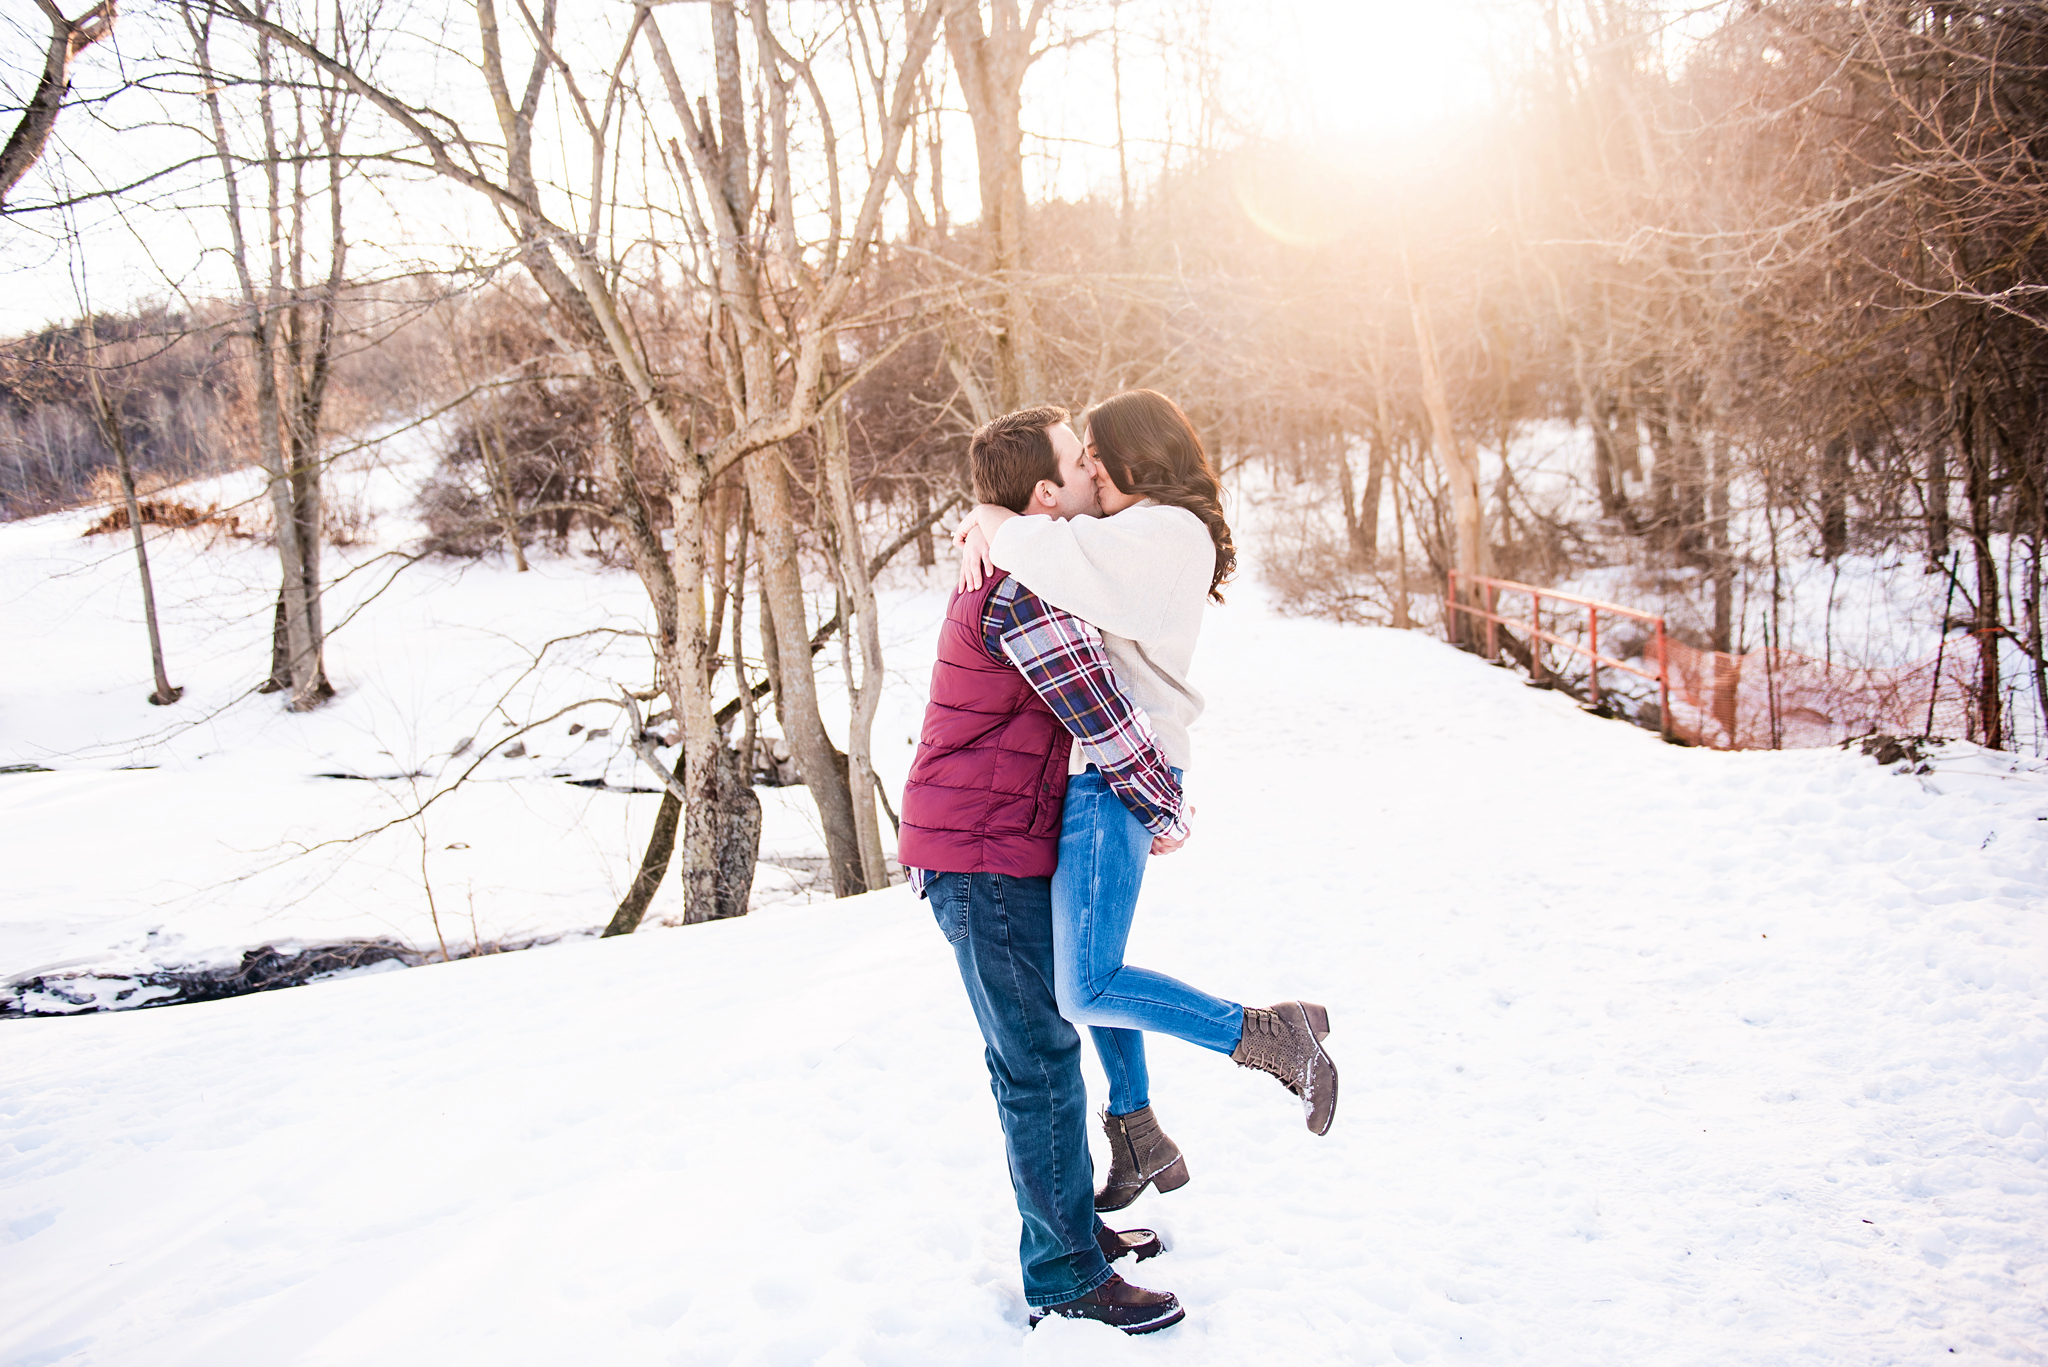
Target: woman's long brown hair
1150	449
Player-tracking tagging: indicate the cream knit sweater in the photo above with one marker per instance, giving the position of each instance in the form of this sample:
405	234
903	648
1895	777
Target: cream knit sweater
1142	578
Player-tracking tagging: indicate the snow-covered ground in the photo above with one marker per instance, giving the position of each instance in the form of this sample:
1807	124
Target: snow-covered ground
240	825
1650	1055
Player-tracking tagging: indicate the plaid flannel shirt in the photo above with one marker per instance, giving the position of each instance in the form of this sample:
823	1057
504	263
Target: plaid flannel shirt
1061	657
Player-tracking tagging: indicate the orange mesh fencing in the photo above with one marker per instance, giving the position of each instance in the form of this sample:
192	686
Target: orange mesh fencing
1777	700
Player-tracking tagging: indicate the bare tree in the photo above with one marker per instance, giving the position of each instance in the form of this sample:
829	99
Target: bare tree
68	38
288	324
111	427
1453	452
778	296
776	312
992	53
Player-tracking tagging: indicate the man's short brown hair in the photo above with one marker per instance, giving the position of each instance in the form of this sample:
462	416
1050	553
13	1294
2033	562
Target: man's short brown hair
1012	453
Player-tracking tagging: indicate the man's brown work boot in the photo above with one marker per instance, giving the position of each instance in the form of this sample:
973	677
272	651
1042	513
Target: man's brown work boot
1287	1041
1116	1302
1140	1155
1119	1243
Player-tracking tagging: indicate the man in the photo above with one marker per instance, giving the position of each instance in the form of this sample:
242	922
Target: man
1016	685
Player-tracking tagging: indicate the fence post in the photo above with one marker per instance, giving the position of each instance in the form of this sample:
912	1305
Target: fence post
1663	683
1535	636
1593	640
1451	624
1492	621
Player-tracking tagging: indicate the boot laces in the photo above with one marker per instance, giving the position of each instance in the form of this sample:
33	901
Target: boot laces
1268	1043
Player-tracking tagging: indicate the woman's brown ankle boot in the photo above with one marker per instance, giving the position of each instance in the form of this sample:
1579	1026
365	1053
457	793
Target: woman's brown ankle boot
1287	1042
1140	1155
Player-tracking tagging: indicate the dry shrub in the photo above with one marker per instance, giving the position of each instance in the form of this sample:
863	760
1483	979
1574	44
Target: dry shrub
346	514
105	486
345	521
168	513
1312	569
545	432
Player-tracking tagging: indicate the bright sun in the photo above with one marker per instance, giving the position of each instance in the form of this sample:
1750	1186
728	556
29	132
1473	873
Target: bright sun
1359	68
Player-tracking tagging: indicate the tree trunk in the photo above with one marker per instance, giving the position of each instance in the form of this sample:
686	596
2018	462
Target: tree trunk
750	726
1361	512
1401	619
1628	443
1938	529
674	583
1662	525
927	548
110	425
306	521
1454	456
674	580
771	659
1834	498
1369	502
1608	464
309	364
301	649
1720	554
721	519
1690	482
782	588
2037	647
991	63
739	835
862	619
1978	493
661	848
710	868
498	470
735	835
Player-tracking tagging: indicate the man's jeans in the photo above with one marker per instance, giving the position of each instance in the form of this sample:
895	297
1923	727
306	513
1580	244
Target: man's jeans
1103	849
1001	932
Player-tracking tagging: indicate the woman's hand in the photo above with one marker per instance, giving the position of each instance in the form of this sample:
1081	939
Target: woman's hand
975	566
986	516
990	517
1162	845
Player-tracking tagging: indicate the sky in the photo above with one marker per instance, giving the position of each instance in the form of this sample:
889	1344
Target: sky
1321	73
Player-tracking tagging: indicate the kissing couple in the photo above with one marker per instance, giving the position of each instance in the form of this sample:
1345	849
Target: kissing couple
1048	771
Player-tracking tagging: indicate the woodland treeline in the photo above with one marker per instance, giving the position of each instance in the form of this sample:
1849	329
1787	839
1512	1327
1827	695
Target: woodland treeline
1783	270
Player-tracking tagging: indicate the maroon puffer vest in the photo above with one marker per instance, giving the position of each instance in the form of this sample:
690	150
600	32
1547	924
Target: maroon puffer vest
990	778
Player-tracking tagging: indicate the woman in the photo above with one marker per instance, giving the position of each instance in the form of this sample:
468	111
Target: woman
1140	574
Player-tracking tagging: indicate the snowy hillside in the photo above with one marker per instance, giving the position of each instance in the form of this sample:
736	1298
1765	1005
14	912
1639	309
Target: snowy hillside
1650	1056
237	825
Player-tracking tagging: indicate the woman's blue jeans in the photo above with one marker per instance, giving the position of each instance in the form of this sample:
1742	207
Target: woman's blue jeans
1103	849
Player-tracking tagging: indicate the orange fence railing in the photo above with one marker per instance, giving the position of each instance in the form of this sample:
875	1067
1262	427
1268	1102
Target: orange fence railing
1760	700
1489	592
